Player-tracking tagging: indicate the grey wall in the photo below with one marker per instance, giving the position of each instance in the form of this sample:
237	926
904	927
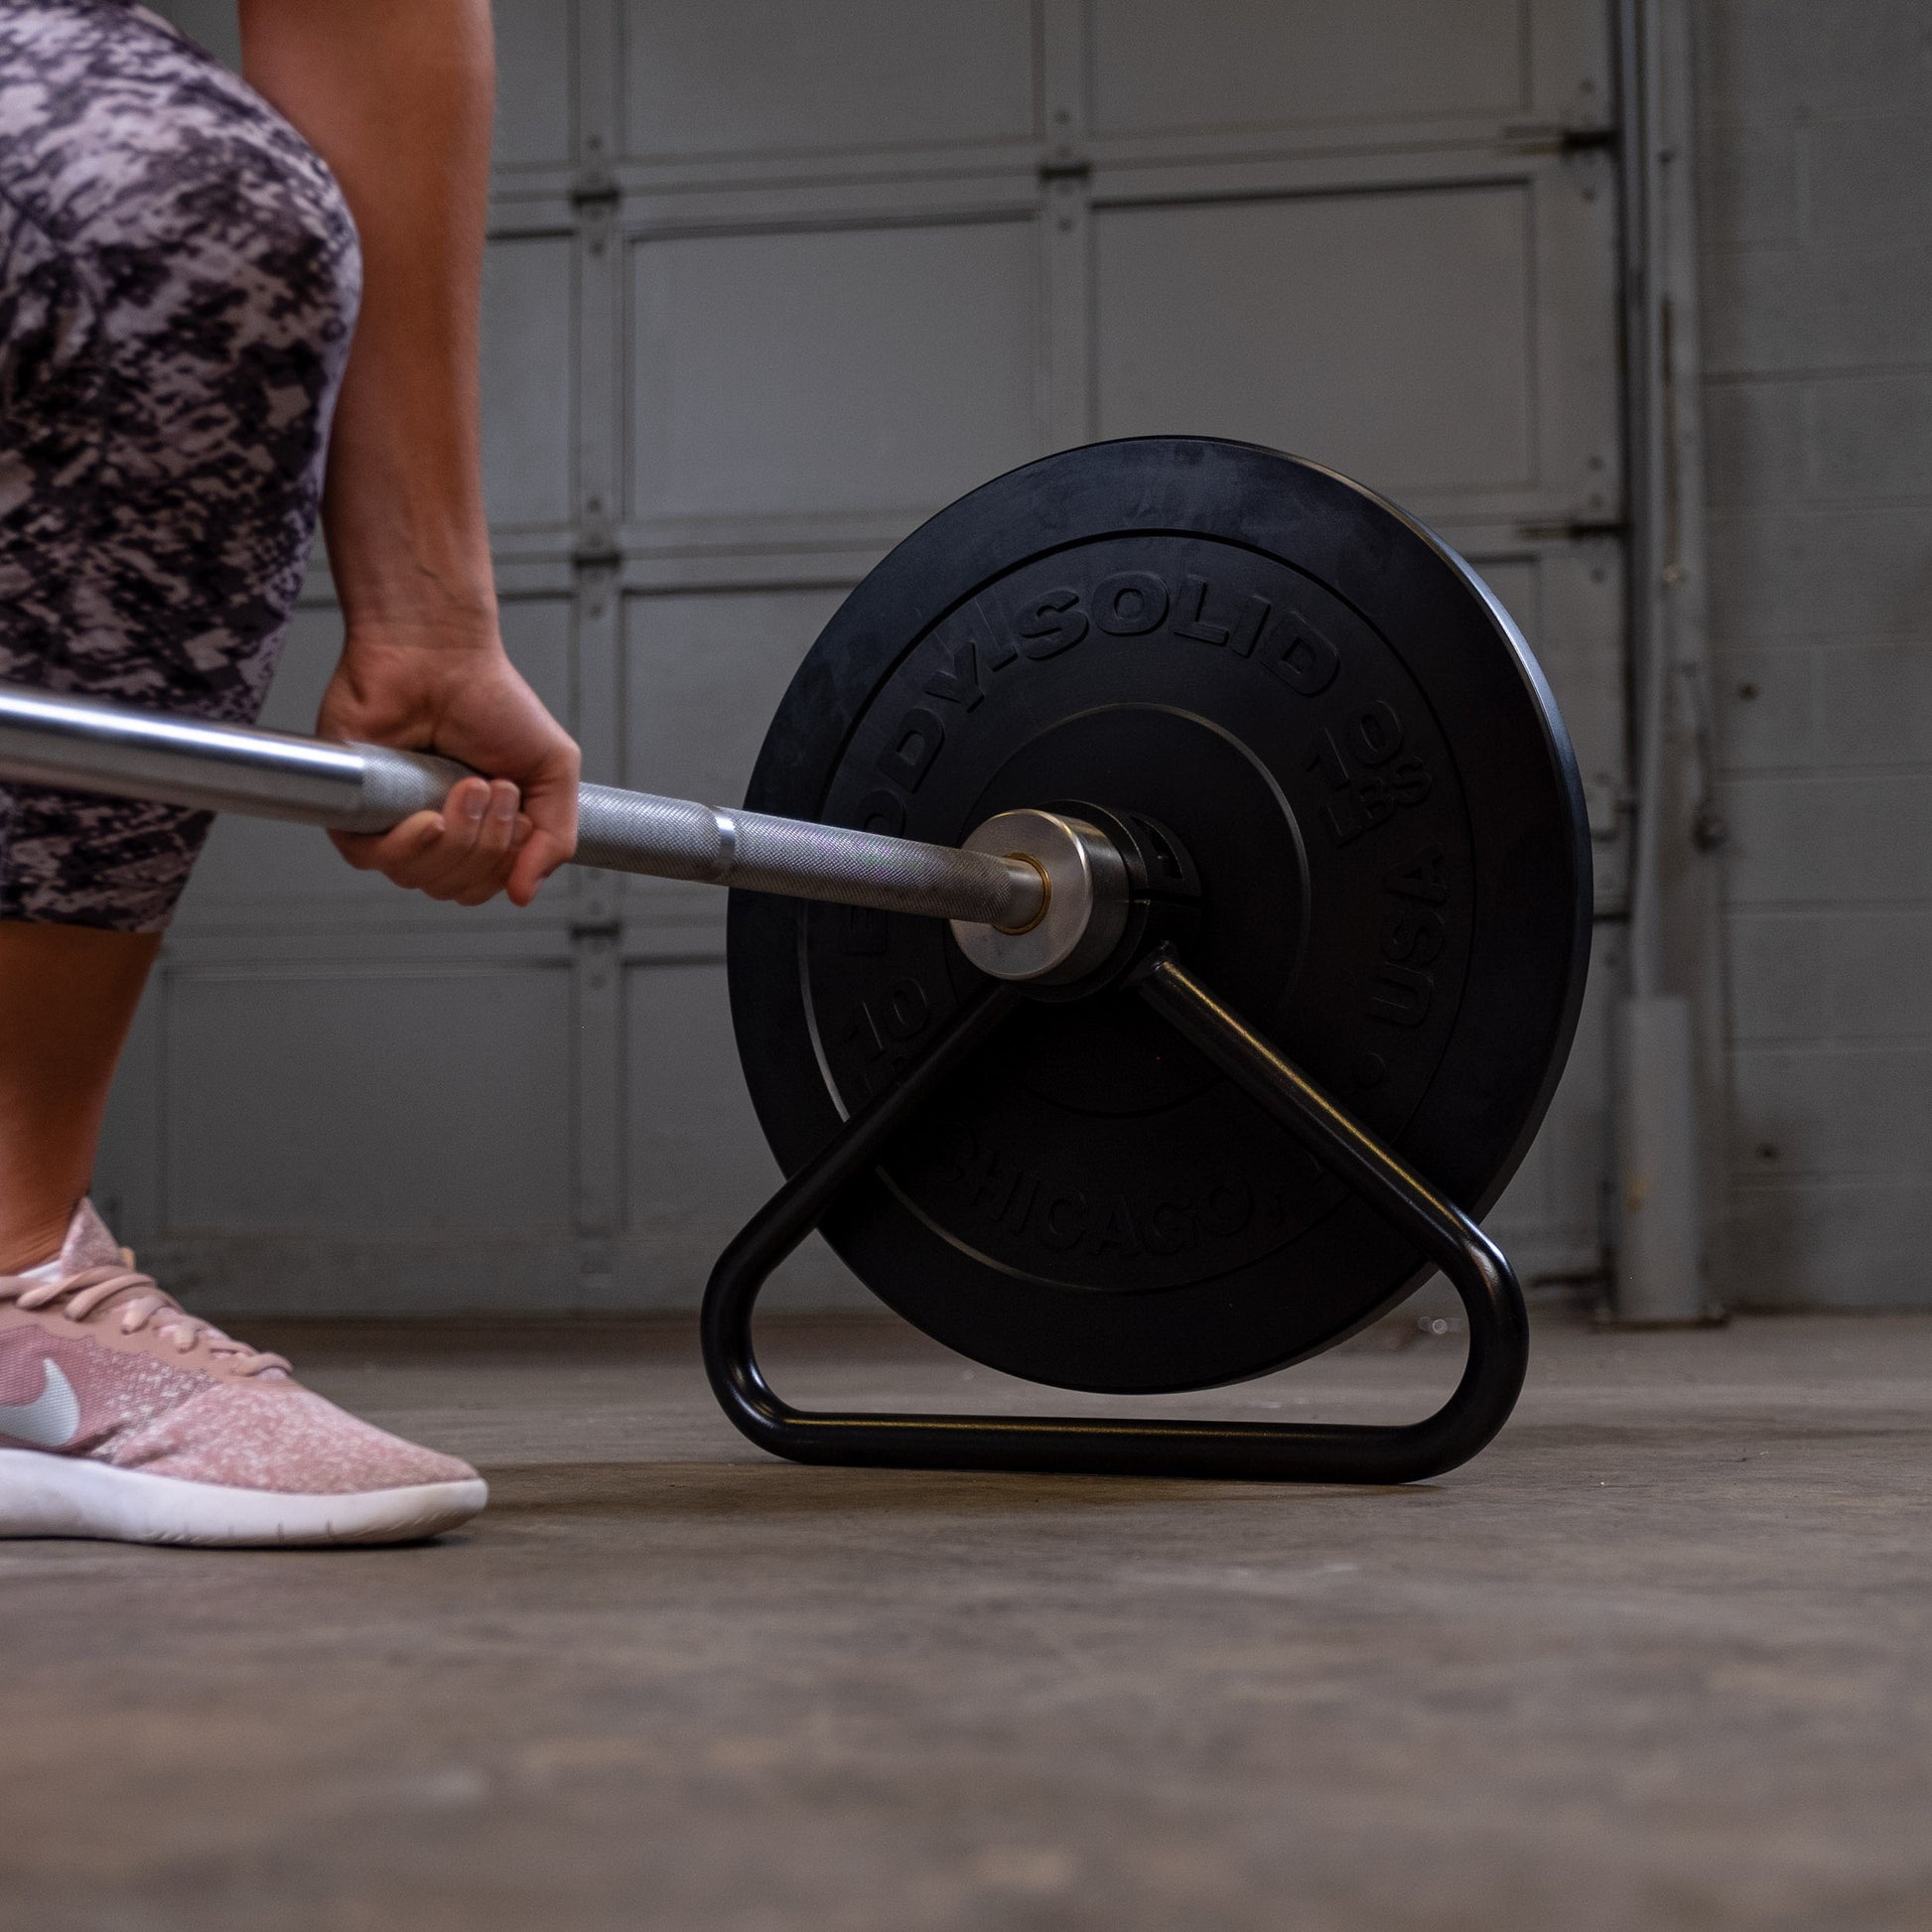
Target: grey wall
1817	284
767	285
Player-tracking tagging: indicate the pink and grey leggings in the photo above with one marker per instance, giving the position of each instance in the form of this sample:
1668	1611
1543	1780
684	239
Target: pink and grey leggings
178	284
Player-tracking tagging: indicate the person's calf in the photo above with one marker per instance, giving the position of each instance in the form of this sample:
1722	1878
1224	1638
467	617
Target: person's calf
68	996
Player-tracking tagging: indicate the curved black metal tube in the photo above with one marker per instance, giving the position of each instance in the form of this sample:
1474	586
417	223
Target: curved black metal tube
1499	1329
1269	1451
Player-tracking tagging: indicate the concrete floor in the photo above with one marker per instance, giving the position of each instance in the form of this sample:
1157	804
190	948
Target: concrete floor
1660	1658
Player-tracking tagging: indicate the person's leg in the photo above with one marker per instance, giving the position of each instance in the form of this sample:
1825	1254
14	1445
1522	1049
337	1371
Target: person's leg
67	997
178	283
176	288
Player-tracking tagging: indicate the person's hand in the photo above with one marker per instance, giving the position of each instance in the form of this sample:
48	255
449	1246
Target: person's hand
466	701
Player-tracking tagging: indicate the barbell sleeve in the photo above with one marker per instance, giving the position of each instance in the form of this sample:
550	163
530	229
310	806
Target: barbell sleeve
90	744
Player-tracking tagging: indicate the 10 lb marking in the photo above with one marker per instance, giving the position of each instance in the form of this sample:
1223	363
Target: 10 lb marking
1371	736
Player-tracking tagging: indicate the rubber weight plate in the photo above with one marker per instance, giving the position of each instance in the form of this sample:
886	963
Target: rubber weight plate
1354	748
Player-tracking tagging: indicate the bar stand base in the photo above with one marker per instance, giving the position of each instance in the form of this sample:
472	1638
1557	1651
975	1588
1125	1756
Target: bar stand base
1498	1325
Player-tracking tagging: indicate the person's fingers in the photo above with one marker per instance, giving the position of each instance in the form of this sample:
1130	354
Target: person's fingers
384	851
543	852
443	868
488	865
472	867
550	799
450	855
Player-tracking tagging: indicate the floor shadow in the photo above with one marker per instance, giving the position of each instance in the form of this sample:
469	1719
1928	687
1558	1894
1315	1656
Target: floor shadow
781	1490
1707	1432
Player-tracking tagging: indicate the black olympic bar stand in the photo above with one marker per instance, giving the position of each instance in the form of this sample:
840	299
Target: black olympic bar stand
1498	1322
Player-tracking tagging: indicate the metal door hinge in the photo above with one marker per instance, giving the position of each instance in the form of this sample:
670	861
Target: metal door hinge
596	197
1551	138
1574	529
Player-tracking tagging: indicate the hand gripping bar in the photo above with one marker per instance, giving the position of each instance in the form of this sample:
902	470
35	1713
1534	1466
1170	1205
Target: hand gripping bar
88	744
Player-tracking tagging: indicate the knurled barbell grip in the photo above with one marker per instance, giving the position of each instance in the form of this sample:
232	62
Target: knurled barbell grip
673	838
88	745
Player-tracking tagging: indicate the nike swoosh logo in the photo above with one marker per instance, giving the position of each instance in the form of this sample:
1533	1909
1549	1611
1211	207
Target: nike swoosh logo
51	1421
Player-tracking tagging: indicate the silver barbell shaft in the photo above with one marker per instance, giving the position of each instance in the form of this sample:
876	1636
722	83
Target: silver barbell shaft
87	744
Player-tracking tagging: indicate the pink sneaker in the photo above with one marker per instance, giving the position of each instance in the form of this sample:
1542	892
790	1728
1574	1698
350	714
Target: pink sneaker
122	1416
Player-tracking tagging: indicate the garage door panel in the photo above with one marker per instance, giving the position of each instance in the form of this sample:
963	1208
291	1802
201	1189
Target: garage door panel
703	674
696	1166
702	1161
256	862
358	1099
1223	65
1391	335
862	371
772	78
528	337
537	636
534	80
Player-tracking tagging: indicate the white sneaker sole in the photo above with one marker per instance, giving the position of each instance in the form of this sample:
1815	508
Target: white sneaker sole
44	1494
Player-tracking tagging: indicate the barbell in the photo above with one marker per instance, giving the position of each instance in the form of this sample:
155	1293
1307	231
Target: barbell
1161	915
1031	896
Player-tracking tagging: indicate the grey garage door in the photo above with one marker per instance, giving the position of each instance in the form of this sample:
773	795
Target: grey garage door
768	284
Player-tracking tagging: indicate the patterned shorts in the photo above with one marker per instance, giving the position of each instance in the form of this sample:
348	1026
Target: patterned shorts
179	278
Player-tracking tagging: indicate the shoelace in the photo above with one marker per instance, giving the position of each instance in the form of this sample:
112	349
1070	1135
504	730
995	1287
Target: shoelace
90	1290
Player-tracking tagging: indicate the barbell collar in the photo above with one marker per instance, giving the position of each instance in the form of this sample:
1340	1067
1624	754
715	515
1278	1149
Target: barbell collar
90	744
1085	913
